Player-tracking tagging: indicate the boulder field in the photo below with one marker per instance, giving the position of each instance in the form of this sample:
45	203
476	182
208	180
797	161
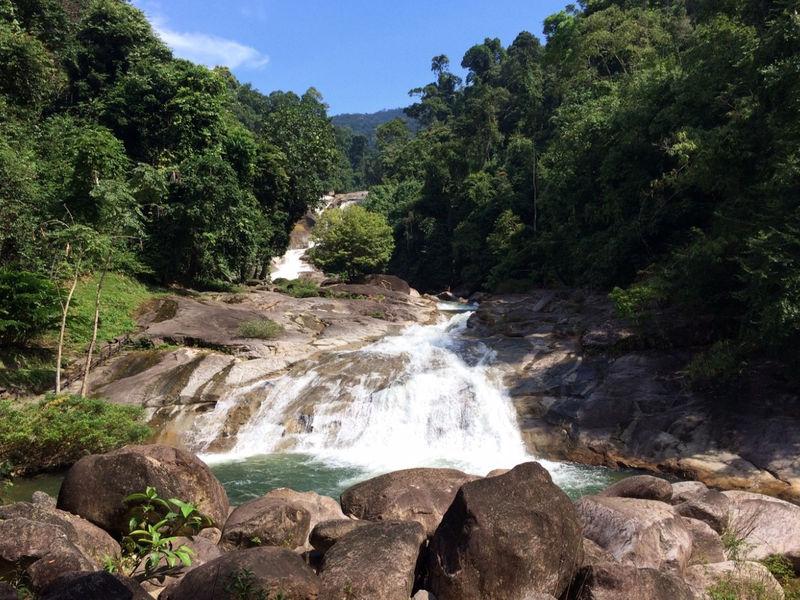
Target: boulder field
425	534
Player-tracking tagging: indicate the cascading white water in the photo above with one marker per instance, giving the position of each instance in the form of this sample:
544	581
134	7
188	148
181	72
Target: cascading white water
291	265
424	397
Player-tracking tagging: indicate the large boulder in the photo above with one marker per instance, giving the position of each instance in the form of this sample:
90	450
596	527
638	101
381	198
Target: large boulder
707	545
268	571
612	581
93	542
767	525
642	533
421	495
506	537
645	487
711	507
326	533
41	551
739	579
282	517
96	486
99	585
687	490
377	561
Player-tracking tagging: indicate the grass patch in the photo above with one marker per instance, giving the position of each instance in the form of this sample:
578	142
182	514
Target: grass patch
783	570
262	329
730	588
122	296
298	288
59	430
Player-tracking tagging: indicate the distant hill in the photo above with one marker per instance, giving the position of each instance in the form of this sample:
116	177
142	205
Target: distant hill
367	123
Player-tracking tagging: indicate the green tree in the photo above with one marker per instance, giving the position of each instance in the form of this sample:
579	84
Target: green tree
352	242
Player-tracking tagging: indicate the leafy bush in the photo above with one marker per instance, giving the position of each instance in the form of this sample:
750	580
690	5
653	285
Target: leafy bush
783	570
28	305
729	588
718	365
61	429
150	550
263	329
352	242
298	288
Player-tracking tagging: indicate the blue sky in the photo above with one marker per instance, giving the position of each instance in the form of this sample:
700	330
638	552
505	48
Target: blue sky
363	55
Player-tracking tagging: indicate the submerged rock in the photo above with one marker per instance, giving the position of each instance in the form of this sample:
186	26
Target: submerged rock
96	486
421	495
505	537
377	561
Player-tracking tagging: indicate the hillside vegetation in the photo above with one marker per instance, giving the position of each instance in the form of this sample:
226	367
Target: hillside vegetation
651	148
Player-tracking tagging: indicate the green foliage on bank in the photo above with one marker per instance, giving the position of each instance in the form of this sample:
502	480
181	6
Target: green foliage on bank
650	147
59	430
352	242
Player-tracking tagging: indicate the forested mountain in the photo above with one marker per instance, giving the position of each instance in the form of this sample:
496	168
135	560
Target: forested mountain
366	124
114	154
648	146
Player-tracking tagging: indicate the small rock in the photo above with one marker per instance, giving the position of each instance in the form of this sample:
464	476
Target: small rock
282	517
43	499
686	490
266	570
421	495
711	507
643	533
645	487
326	533
423	595
626	582
506	536
377	561
99	585
96	486
707	545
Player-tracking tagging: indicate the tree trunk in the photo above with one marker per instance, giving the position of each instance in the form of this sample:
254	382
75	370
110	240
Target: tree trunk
63	329
88	366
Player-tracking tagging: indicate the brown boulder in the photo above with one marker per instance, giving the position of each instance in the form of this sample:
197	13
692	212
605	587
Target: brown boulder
767	525
281	517
326	533
94	586
93	542
375	562
686	490
266	570
711	507
642	533
707	545
421	495
96	486
626	582
504	537
645	487
41	550
748	579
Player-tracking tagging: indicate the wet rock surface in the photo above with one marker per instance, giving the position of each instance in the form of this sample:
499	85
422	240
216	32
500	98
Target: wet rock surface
588	388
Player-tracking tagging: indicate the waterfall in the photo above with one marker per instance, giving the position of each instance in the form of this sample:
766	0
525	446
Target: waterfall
424	397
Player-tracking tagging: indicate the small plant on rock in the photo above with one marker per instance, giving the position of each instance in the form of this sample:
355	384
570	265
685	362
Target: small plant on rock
151	550
264	329
243	585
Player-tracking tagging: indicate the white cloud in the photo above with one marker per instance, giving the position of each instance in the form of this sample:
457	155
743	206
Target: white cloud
210	50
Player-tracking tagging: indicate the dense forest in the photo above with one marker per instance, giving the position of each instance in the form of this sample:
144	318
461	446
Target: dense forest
115	155
650	147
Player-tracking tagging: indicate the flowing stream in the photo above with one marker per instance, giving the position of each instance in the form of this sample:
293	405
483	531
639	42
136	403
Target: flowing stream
425	397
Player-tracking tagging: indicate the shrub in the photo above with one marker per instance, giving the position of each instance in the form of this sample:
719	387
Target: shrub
730	588
352	242
719	365
28	305
59	430
298	288
151	549
263	329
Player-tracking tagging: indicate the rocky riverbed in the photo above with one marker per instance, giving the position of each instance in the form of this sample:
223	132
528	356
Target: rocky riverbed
589	388
421	533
